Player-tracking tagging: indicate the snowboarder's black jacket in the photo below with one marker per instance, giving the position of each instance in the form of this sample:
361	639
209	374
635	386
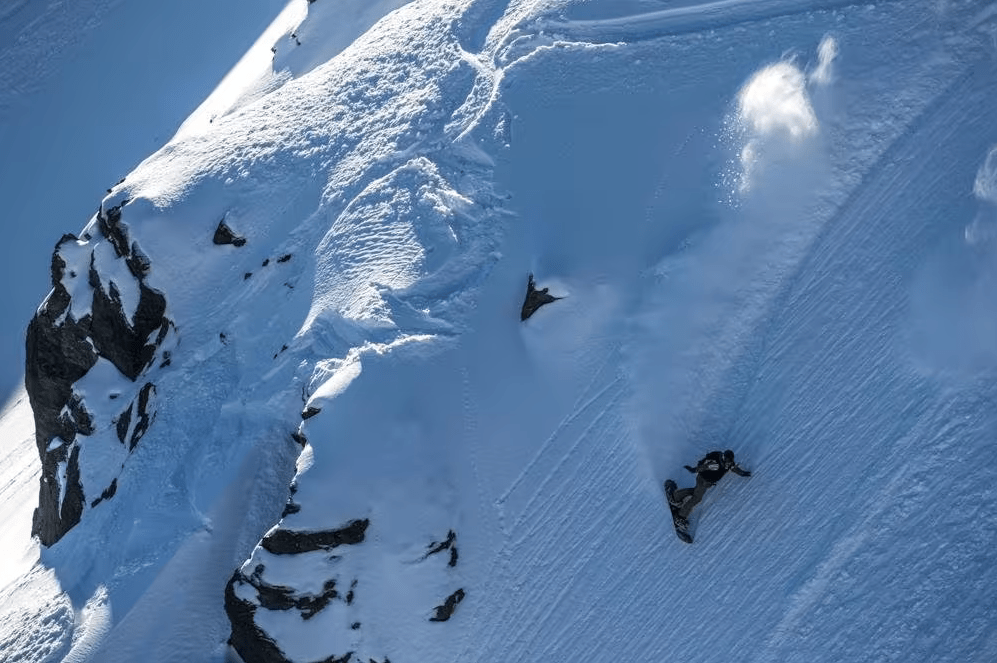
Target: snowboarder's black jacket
712	467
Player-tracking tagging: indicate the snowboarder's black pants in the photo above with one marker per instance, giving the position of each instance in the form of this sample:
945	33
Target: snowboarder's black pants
696	493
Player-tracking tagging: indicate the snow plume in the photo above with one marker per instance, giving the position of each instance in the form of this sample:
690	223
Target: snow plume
954	323
983	228
827	52
775	118
775	102
985	185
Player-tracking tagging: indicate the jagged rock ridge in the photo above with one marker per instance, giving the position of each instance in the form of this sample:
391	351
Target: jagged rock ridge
77	325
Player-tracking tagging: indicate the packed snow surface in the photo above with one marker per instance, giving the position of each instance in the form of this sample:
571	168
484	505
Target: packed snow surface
774	228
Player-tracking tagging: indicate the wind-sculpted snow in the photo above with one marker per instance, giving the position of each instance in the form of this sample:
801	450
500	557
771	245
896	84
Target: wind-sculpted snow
764	226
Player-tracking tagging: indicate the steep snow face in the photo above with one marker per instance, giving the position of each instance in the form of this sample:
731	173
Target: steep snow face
751	215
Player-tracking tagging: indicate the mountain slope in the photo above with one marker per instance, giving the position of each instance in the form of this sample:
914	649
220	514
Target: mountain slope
87	90
356	450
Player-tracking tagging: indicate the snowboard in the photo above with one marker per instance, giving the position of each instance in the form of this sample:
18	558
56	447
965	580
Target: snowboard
681	524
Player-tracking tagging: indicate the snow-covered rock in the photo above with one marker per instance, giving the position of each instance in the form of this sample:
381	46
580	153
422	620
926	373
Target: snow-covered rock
100	309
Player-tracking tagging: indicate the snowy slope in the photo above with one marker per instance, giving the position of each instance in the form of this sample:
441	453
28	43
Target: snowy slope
774	226
87	90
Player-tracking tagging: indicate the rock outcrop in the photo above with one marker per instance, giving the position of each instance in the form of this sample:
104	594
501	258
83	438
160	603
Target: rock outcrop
535	299
247	593
324	605
225	235
86	318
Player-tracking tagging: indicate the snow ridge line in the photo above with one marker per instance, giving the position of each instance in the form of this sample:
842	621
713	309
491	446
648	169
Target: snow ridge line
683	20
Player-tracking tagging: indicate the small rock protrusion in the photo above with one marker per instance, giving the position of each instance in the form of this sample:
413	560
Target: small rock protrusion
445	611
535	299
107	494
225	235
450	543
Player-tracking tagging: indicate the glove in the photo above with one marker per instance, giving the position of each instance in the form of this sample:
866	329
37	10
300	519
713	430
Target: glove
691	469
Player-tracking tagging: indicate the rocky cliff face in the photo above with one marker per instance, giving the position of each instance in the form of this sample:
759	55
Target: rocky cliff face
282	286
100	308
274	588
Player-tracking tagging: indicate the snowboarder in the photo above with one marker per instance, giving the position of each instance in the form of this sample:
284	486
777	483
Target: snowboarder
708	471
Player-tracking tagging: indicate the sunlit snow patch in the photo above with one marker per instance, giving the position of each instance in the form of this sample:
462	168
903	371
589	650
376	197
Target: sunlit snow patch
328	29
93	624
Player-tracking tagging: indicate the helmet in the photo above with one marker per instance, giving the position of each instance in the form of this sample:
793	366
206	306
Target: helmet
728	456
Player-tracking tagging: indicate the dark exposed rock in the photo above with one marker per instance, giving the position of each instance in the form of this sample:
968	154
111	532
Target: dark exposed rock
310	412
276	597
286	542
61	349
350	595
72	503
144	419
225	235
58	264
107	494
266	262
345	658
138	262
299	438
248	639
122	343
251	642
57	355
312	605
445	611
535	299
284	258
79	418
109	222
246	275
355	626
124	421
290	507
449	544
